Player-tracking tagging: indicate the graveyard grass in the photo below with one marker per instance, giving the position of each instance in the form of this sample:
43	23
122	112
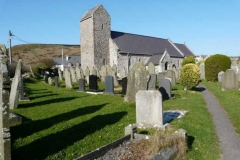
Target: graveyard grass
229	100
60	123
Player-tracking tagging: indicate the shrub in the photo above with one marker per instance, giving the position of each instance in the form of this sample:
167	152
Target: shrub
216	64
190	76
187	60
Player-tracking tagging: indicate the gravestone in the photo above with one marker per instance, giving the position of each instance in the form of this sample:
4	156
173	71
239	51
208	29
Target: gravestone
56	81
114	68
93	85
220	76
15	89
22	95
177	75
171	74
151	68
50	81
98	73
229	80
202	71
60	74
81	85
109	85
152	82
124	85
103	73
79	73
137	80
165	87
149	108
73	74
111	72
87	74
46	77
68	80
160	76
5	136
94	71
122	73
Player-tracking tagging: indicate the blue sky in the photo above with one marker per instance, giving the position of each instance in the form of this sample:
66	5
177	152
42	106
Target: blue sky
207	27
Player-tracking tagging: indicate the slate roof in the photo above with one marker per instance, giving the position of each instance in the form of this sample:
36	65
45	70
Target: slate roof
89	13
155	59
184	49
71	59
138	44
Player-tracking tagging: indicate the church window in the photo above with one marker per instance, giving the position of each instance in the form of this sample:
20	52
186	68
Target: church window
102	26
166	65
103	61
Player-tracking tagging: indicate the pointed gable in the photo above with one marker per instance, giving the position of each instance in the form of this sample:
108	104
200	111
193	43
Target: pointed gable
89	13
138	44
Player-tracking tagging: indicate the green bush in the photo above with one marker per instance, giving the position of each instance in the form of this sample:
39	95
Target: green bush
187	60
190	76
216	64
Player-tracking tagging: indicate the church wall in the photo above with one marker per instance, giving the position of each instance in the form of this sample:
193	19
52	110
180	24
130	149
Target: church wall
113	51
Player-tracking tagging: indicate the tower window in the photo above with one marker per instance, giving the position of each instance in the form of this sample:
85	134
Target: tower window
102	26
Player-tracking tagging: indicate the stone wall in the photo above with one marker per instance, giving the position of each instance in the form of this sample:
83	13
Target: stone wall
113	52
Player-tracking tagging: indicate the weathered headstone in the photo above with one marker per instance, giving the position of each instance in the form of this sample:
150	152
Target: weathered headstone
160	76
124	85
15	89
229	80
122	73
114	68
73	74
93	85
220	76
149	108
50	81
81	85
152	82
165	87
111	72
177	75
171	74
79	73
87	74
202	71
94	71
22	95
137	80
109	85
98	73
68	80
5	136
103	73
60	74
151	68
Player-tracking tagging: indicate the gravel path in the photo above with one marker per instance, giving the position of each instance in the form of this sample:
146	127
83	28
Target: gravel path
230	142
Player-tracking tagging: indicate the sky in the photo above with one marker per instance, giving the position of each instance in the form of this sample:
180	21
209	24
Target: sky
206	26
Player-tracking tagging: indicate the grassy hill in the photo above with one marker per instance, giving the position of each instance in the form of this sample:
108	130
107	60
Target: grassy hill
32	53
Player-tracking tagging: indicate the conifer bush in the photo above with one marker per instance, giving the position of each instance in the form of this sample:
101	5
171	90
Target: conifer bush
190	76
216	64
187	60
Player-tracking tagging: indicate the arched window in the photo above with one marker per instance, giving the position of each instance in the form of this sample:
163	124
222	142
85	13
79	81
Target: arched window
166	65
139	60
174	66
104	63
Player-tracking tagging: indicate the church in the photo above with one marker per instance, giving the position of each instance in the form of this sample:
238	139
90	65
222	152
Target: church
101	46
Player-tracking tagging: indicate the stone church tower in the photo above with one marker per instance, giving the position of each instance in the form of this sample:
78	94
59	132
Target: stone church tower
95	33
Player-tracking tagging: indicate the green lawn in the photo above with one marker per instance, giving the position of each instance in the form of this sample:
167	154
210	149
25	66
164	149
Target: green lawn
59	123
229	100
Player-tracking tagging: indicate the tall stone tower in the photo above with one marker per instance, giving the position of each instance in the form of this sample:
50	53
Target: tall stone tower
95	33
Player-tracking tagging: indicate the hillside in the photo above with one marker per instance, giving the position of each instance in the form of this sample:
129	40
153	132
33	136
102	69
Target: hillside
32	53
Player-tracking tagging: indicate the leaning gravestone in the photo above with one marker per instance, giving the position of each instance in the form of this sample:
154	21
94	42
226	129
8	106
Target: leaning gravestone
60	74
152	82
103	73
165	87
229	80
220	76
171	74
109	85
149	109
5	136
177	75
137	80
73	74
151	68
15	89
87	74
202	71
68	80
93	85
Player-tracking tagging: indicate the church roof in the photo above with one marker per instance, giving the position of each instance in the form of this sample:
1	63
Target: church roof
139	44
184	49
71	59
89	13
155	59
